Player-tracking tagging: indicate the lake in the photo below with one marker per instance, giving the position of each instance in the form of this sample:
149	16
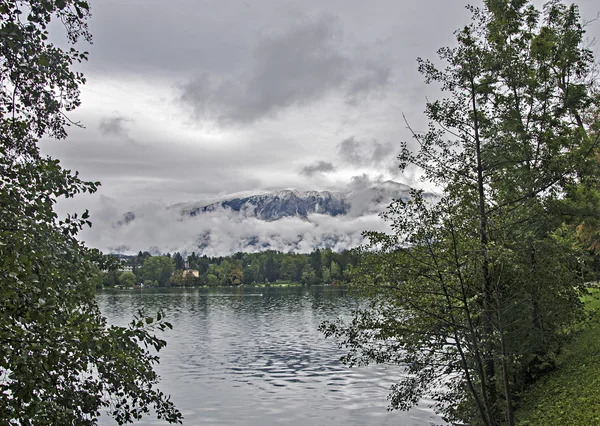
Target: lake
254	356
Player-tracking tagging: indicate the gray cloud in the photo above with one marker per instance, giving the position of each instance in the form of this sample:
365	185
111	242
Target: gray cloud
223	231
318	167
217	36
349	150
363	181
365	153
115	125
372	80
178	170
292	68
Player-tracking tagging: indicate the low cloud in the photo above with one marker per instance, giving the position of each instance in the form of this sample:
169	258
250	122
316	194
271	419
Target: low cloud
115	125
292	68
223	232
364	181
316	168
219	230
357	152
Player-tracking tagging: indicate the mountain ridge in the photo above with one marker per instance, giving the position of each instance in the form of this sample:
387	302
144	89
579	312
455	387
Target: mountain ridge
283	220
273	205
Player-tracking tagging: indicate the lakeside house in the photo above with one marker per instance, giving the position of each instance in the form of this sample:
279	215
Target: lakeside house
193	272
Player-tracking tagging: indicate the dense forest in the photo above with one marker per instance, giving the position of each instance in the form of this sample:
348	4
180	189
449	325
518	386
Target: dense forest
319	267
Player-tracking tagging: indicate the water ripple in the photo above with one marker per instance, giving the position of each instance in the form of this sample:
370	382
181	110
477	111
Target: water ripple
240	357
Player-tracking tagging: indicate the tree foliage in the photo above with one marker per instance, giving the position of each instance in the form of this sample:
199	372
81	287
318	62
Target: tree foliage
475	293
236	276
157	268
60	362
127	279
179	263
248	268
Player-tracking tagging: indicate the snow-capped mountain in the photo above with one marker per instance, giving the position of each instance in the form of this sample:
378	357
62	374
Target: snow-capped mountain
271	206
281	220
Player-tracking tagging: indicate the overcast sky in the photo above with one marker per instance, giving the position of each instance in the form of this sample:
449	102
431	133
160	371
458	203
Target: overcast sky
188	99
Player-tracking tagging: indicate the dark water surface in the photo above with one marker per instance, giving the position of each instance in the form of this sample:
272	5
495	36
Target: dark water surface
254	356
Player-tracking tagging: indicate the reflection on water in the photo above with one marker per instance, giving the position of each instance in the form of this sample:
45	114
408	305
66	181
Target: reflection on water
247	356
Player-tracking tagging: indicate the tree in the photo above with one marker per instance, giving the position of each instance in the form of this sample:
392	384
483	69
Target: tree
288	268
192	260
251	272
316	262
474	293
96	278
127	279
224	270
326	275
203	264
580	208
177	278
110	278
236	276
301	262
138	261
309	276
60	362
271	272
212	280
157	268
179	262
335	271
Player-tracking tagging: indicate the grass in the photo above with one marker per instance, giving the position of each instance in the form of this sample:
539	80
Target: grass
570	395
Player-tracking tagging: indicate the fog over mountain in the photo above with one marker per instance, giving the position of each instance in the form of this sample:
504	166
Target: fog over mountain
281	220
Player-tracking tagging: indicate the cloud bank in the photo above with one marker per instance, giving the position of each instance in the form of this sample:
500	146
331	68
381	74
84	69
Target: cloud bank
159	229
299	221
316	168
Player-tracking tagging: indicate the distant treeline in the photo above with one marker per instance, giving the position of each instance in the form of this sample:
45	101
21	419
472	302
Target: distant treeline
319	267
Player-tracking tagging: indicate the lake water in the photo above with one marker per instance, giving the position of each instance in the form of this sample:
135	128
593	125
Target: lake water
254	356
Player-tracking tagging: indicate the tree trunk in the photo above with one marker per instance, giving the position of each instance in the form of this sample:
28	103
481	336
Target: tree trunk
490	398
510	417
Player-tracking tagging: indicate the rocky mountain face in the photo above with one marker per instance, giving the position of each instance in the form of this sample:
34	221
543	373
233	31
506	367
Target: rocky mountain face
281	220
274	206
271	206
